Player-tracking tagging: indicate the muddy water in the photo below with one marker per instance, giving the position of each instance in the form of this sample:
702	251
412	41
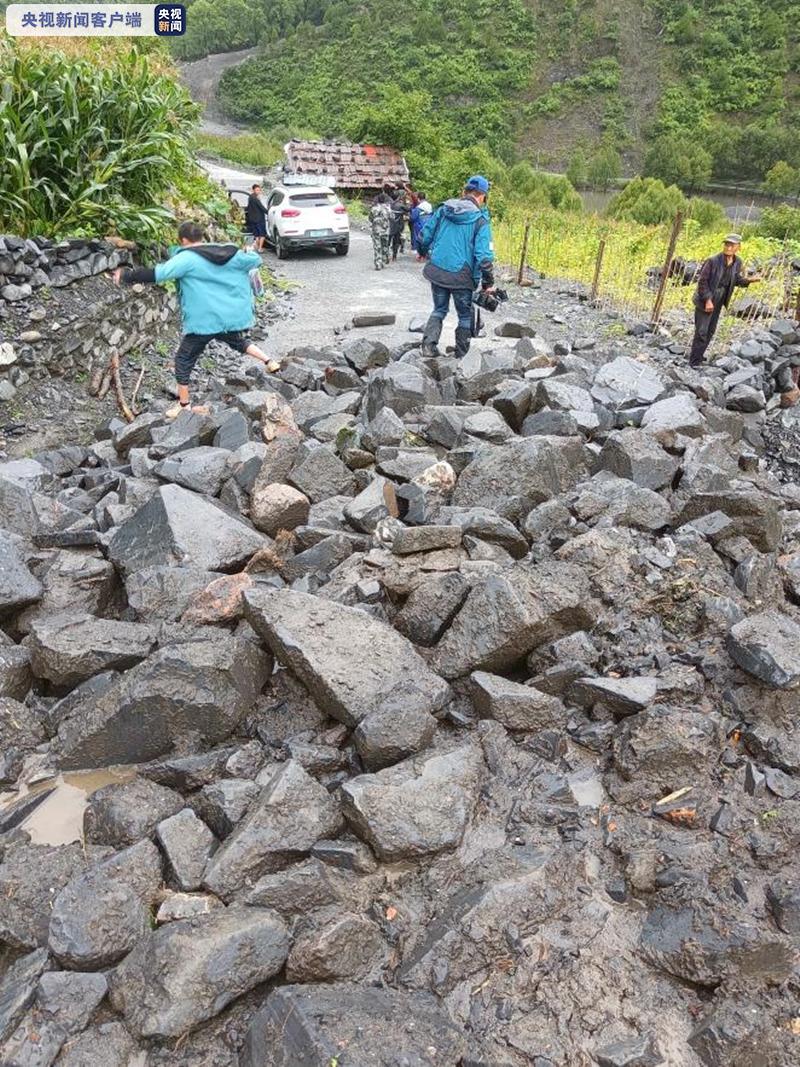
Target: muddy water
58	820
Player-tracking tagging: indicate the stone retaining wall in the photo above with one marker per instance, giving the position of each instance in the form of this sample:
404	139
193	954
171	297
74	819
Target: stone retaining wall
61	314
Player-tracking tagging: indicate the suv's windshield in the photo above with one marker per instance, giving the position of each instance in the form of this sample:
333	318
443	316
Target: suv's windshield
314	199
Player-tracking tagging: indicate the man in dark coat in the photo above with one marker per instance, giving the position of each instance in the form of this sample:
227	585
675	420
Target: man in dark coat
255	217
719	276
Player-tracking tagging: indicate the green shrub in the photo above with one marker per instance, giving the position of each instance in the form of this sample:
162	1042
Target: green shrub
647	201
678	159
781	222
89	147
706	213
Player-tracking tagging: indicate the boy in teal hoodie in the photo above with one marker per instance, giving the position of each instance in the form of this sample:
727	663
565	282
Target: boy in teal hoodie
216	300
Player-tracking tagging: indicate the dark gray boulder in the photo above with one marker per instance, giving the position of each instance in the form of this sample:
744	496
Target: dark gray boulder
198	687
636	455
64	1004
18	587
431	607
290	815
768	646
101	913
178	526
309	1024
506	615
186	972
123	813
21	731
18	988
67	649
201	469
390	735
416	808
187	844
162	593
517	707
30	877
513	478
316	639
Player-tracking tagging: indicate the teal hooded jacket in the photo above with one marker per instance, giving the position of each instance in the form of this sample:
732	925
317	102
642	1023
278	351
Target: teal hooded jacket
457	239
214	286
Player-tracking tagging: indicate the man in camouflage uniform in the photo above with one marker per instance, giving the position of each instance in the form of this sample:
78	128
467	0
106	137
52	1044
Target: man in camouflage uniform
380	221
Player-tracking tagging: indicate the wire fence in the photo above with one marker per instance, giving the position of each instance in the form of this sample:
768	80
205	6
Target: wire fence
648	273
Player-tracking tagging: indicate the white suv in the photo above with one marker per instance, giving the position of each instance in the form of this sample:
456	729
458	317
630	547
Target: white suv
306	216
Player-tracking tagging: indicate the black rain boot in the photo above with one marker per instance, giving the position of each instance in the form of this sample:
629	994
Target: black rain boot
463	338
430	337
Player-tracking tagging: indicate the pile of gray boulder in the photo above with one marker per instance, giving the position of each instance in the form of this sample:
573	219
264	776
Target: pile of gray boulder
458	706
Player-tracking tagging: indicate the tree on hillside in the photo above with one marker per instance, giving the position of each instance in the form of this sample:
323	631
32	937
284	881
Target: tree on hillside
578	169
647	201
677	159
604	167
782	180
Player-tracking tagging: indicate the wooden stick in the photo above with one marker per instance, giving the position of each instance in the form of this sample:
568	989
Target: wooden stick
597	268
523	253
105	384
136	391
121	401
662	286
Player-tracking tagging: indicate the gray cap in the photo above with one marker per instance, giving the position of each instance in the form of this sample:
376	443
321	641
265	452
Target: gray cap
733	238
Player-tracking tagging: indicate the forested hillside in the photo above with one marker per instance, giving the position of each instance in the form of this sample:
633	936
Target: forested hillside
683	90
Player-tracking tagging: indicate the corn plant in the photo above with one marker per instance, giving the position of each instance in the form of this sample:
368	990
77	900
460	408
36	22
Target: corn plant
89	147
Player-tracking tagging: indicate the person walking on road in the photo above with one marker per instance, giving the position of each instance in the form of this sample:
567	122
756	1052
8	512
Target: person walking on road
417	217
380	221
399	210
216	298
255	217
719	276
457	241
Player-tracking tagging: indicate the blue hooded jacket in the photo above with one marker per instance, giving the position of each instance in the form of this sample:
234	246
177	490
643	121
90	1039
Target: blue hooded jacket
214	282
457	239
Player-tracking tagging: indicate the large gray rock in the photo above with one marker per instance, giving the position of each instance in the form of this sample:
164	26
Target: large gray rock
103	912
487	525
66	649
73	582
186	972
15	672
401	387
302	1026
64	1004
18	988
375	502
431	607
387	736
187	843
626	382
316	639
675	415
178	526
621	696
517	707
768	646
506	615
416	808
756	516
21	731
320	474
223	804
634	454
18	586
513	478
123	813
107	1043
200	469
200	687
30	877
292	813
162	593
342	947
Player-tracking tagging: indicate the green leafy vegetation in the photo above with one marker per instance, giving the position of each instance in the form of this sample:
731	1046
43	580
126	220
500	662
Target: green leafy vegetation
246	149
97	140
650	202
781	222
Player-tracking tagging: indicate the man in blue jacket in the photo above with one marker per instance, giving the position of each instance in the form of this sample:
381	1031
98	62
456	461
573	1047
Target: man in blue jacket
216	300
457	239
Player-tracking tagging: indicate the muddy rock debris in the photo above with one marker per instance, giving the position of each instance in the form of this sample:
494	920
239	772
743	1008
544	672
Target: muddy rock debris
454	706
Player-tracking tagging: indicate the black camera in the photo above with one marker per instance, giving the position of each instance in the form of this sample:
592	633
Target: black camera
490	301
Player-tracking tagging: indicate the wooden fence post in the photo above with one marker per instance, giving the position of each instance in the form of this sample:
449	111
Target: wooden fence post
523	254
598	266
662	286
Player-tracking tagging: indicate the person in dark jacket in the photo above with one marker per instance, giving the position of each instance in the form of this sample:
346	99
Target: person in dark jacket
216	300
719	276
255	217
398	224
457	241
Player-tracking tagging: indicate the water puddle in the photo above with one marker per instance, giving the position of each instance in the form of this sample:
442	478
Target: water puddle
58	819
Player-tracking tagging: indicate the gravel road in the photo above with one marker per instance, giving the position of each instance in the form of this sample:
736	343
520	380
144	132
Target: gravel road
330	289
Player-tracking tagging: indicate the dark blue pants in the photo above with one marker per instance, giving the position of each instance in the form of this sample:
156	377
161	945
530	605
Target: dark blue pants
462	301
